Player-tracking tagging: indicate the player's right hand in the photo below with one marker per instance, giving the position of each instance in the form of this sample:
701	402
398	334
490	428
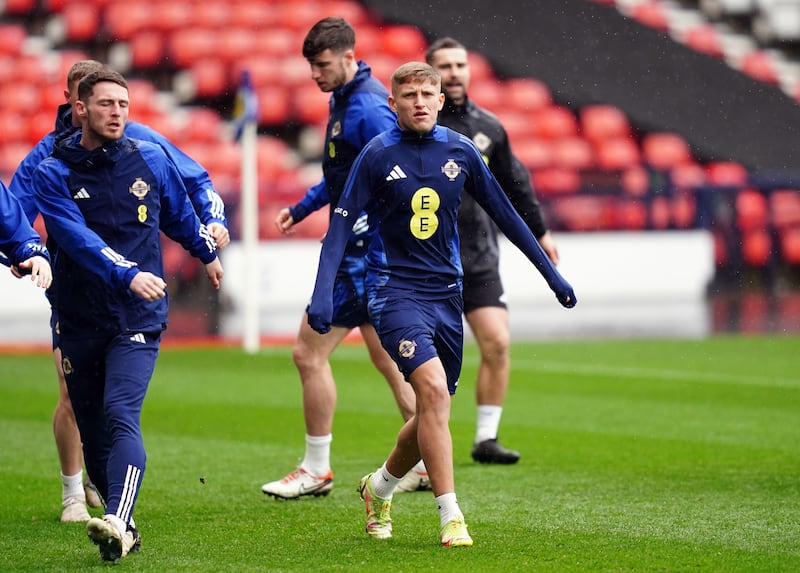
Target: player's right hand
148	286
284	221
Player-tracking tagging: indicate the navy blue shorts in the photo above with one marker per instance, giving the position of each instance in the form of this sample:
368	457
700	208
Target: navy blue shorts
349	293
414	330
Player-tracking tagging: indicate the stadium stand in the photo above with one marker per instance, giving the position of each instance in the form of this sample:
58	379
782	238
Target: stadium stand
595	166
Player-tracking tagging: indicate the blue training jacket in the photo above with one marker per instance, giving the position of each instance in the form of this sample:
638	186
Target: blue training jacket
18	240
410	185
104	210
207	203
359	110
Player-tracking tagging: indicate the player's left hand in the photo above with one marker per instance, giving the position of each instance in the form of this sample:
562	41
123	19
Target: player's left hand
214	272
564	293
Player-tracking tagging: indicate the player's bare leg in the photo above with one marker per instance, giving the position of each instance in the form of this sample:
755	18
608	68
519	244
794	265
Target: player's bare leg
489	325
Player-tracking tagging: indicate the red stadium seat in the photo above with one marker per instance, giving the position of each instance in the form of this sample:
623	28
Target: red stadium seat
204	124
300	16
726	174
683	209
533	153
527	94
555	180
785	208
309	105
635	180
233	44
756	247
273	105
554	122
11	154
573	153
403	42
225	159
123	19
631	214
274	157
19	7
518	125
617	153
20	98
11	38
652	14
13	127
30	69
170	16
38	125
687	175
603	121
278	43
705	39
81	20
210	77
751	210
586	213
663	151
760	65
147	49
480	68
264	70
211	14
295	71
790	245
186	46
488	93
255	15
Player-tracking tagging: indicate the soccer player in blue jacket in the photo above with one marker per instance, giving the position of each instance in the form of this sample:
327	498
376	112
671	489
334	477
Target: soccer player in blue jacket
409	179
358	112
105	199
209	207
20	244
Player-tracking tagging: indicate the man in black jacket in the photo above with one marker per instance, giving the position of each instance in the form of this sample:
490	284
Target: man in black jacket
484	299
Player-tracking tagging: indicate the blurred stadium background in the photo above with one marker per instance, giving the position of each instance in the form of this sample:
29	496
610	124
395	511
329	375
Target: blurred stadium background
639	120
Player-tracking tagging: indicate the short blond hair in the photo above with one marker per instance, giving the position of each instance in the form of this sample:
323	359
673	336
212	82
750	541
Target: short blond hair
415	72
80	70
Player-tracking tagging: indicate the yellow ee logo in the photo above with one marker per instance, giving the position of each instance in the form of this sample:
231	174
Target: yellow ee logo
142	213
424	221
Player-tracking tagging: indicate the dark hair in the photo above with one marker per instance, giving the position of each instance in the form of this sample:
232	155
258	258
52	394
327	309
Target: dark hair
334	34
446	43
86	86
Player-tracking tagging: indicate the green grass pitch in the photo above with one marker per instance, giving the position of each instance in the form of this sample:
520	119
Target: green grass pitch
637	455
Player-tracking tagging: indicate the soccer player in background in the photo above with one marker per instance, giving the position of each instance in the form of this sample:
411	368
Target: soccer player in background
76	491
410	180
484	299
20	245
358	112
105	199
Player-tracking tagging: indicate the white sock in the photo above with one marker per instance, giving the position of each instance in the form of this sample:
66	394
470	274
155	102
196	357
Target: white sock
420	468
318	455
448	508
384	483
72	486
488	423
